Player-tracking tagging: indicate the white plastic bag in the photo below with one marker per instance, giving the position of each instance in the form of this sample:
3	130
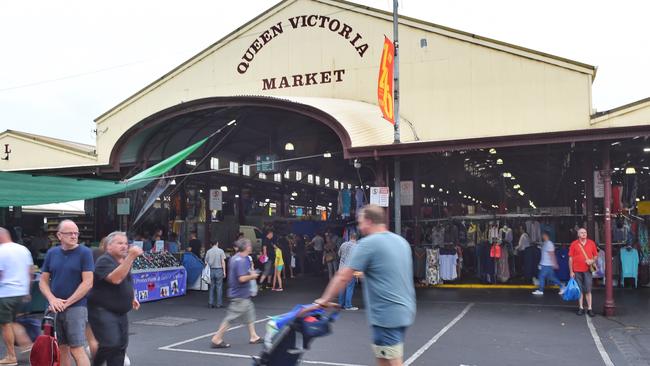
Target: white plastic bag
253	287
205	274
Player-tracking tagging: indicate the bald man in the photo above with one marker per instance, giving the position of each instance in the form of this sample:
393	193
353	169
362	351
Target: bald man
67	277
15	279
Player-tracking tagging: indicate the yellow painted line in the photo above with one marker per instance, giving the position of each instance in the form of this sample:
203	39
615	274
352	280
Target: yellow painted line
488	286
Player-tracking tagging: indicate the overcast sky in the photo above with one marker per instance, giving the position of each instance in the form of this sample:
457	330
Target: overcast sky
63	63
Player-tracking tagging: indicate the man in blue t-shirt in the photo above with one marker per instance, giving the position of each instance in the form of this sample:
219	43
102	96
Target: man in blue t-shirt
389	294
239	291
67	277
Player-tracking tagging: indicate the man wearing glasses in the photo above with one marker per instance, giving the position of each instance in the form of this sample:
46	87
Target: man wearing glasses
67	277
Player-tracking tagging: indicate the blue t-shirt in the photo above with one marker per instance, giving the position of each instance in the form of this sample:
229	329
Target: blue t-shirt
389	294
65	268
238	266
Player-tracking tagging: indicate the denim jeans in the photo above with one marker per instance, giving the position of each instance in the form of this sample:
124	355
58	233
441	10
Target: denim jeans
547	272
345	297
216	285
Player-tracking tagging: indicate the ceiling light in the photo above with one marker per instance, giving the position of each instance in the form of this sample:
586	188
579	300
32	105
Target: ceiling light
173	182
294	194
512	177
630	170
432	186
646	149
459	192
638	200
465	196
224	189
521	193
493	151
617	169
516	186
499	161
327	155
507	175
440	189
447	192
231	122
289	147
267	200
292	198
330	204
236	196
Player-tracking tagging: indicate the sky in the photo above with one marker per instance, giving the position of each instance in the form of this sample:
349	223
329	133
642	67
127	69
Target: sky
64	63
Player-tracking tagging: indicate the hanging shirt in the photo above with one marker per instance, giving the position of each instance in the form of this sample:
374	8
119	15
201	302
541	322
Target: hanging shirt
438	235
346	202
524	242
629	262
360	198
448	267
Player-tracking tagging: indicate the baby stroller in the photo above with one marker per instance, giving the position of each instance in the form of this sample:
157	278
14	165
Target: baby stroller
289	336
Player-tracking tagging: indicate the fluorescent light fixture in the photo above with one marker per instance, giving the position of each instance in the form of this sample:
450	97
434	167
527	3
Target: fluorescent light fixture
423	185
432	186
173	182
646	149
493	151
294	194
224	189
327	155
440	189
330	204
200	191
521	193
267	200
499	161
630	170
507	175
231	122
459	192
236	196
638	200
289	146
512	177
516	186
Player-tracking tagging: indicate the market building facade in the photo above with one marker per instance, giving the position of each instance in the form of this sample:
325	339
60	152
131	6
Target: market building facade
492	134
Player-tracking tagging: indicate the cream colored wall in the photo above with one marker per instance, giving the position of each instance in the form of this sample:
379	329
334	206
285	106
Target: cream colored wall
636	115
456	88
29	154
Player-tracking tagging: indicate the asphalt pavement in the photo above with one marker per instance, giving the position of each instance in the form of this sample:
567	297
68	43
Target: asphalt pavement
469	327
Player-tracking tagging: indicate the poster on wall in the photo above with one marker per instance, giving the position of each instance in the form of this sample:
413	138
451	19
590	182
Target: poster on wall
155	285
406	192
599	185
123	206
379	196
216	200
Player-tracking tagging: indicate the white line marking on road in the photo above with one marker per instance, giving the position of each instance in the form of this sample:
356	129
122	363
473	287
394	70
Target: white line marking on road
167	348
599	344
436	337
237	355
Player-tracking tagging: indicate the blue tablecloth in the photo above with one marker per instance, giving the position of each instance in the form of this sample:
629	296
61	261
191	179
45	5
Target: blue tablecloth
158	284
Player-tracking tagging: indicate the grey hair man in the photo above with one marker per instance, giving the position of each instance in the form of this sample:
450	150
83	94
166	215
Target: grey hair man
112	298
66	279
15	275
239	291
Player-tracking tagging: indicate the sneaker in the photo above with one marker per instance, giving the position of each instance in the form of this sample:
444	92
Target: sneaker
352	308
538	292
8	362
581	312
591	313
562	289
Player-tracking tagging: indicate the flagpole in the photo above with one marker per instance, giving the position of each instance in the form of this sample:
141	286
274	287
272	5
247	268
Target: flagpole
397	185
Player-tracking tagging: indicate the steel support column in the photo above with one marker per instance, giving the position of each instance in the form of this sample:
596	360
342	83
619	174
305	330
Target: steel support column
610	306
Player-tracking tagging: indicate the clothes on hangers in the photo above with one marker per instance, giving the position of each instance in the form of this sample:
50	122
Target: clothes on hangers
433	267
471	235
503	267
448	266
562	256
630	264
419	263
505	234
493	232
359	198
438	235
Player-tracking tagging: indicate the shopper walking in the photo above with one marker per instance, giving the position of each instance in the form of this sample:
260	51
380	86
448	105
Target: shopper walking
582	254
215	258
389	294
112	298
547	266
67	276
239	291
329	256
268	250
279	266
345	297
195	244
15	272
318	243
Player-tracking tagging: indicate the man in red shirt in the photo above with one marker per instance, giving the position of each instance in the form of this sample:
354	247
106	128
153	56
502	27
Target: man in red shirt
582	254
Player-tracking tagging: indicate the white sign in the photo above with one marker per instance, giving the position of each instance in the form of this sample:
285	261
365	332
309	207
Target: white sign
159	246
599	185
138	243
216	202
406	192
379	196
123	206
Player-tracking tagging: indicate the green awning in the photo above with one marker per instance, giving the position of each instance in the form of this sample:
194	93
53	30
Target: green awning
19	189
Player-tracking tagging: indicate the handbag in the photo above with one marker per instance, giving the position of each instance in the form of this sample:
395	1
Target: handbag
205	274
592	267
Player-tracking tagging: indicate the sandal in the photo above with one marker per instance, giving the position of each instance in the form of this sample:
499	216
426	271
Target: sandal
219	345
257	341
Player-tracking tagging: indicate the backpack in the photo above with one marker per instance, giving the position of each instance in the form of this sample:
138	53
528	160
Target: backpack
45	351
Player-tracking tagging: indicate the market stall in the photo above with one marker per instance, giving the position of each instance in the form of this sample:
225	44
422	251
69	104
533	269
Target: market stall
158	276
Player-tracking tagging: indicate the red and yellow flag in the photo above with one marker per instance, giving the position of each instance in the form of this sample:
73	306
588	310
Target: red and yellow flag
385	83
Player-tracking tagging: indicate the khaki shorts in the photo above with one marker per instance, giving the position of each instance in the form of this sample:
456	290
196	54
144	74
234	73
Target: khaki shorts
240	310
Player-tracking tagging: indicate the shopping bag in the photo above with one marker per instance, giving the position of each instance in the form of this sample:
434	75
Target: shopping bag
572	291
293	261
254	289
205	274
